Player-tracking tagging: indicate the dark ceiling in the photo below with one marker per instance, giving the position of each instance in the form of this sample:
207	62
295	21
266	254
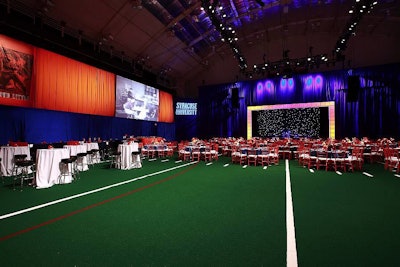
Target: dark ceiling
179	41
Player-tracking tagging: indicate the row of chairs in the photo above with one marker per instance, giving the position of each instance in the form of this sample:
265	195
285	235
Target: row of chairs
72	166
339	161
24	170
250	157
196	154
153	151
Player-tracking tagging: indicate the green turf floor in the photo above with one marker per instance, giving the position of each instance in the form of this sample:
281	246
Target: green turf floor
194	216
204	215
346	220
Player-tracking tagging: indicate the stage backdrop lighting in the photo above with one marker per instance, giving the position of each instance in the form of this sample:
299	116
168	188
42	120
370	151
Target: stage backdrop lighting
292	120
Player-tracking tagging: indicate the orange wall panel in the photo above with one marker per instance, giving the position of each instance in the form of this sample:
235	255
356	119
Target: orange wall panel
68	85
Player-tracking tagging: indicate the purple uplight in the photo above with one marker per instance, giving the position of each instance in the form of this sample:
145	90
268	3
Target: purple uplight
283	83
269	86
290	83
260	86
309	82
318	80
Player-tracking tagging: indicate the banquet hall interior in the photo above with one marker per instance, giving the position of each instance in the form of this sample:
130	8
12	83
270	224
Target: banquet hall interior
199	132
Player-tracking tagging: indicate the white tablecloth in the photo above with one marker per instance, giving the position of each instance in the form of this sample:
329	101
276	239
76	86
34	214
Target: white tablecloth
48	167
75	149
126	155
7	157
90	146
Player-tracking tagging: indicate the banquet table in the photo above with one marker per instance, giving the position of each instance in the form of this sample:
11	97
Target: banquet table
126	156
48	167
7	155
90	146
75	150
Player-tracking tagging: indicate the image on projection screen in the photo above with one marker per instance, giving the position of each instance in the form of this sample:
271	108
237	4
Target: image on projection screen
294	122
135	100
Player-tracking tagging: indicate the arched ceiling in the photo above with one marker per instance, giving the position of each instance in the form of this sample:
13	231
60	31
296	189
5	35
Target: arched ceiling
178	42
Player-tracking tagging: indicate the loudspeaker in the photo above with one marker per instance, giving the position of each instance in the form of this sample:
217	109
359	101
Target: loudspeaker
353	88
235	97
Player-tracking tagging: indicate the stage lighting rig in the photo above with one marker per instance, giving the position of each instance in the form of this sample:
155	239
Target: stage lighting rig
359	9
228	34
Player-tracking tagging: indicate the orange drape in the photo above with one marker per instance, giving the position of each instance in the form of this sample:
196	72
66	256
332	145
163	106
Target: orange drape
166	113
68	85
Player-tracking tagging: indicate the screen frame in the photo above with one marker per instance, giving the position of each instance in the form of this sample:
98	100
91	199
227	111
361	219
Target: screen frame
329	104
137	87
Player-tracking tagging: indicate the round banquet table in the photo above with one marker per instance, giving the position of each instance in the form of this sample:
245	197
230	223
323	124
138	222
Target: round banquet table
7	154
126	155
48	167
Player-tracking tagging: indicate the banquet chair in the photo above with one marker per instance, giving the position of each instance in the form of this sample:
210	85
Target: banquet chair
196	154
227	151
80	161
27	172
340	160
89	158
162	151
214	152
115	159
206	154
358	159
391	159
355	160
95	156
262	158
303	157
235	155
136	159
170	151
184	153
285	153
145	151
151	151
322	157
330	163
1	172
67	168
252	157
313	159
16	167
273	156
104	149
243	156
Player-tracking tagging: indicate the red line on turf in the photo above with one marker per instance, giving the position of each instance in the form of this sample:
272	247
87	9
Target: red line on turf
4	238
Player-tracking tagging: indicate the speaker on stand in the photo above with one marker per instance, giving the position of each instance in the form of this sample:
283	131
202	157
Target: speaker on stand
235	97
353	88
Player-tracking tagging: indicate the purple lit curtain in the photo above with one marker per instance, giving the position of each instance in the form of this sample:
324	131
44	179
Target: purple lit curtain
374	113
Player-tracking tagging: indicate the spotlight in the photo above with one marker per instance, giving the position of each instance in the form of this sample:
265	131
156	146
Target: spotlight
261	3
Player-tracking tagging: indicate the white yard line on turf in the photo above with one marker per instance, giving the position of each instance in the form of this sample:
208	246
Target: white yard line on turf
90	192
291	250
368	174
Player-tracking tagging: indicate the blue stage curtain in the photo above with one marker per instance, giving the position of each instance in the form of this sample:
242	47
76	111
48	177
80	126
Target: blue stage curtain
375	112
37	126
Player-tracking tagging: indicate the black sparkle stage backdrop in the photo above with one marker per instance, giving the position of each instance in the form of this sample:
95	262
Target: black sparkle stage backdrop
294	122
